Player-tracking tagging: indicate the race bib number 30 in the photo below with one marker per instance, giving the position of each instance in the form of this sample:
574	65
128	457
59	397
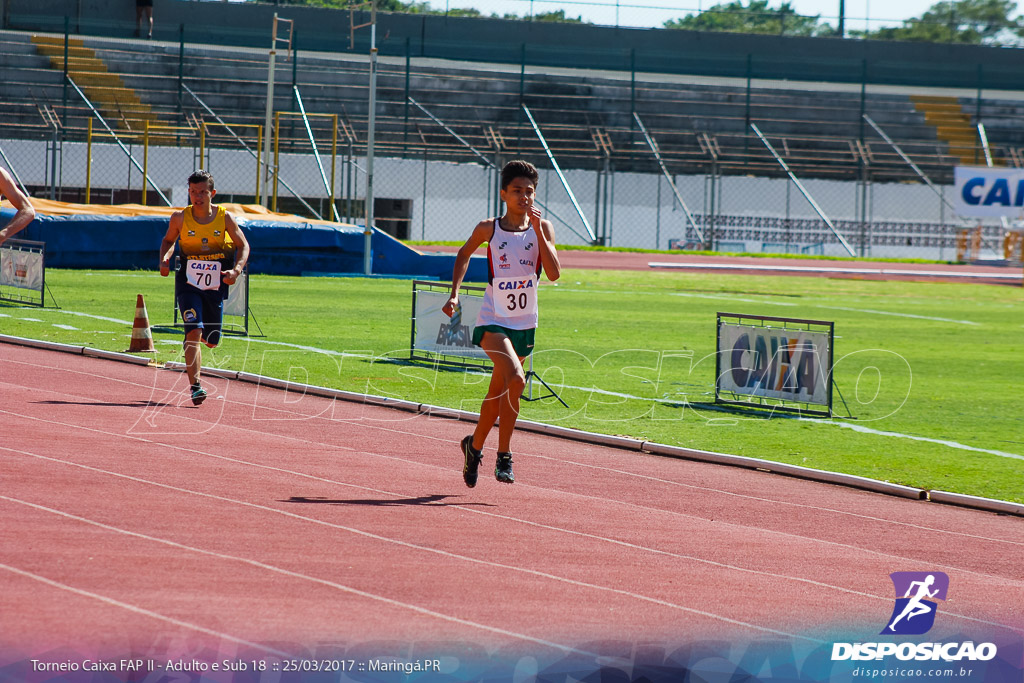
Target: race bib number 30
515	296
203	274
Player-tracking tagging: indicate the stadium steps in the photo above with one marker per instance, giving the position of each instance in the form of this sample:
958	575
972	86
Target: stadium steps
816	131
952	126
119	104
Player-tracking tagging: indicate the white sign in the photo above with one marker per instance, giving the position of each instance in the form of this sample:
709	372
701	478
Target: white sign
781	364
237	301
22	269
434	331
988	192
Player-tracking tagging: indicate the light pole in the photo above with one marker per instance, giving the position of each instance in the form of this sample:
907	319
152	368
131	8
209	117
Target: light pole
371	123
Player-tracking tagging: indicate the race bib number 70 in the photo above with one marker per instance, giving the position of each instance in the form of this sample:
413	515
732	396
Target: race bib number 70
514	296
203	274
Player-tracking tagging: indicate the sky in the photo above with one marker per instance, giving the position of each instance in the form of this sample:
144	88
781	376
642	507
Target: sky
860	14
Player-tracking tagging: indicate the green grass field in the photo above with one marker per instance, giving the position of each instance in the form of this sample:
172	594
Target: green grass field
932	372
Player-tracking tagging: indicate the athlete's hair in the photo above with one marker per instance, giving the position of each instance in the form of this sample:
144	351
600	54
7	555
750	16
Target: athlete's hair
519	169
201	176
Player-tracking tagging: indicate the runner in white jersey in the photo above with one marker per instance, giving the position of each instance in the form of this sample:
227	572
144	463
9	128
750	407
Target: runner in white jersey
520	246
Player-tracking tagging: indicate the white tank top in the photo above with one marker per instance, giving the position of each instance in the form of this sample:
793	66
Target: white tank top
513	261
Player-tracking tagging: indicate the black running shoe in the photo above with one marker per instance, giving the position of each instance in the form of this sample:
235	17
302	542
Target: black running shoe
503	470
473	458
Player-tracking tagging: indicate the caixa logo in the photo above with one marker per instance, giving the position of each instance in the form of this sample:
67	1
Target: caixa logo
916	595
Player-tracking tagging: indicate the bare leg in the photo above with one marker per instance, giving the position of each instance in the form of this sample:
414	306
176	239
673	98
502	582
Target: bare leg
502	400
193	355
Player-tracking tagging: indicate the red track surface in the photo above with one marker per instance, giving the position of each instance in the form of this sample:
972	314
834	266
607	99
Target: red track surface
132	518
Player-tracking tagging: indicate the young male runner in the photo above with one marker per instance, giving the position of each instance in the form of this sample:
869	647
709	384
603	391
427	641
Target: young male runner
208	237
26	212
520	245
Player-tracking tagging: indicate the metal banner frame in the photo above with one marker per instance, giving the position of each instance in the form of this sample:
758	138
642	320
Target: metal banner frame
752	400
433	356
16	245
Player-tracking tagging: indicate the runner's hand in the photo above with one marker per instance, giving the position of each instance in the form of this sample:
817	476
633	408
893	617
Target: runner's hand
449	306
165	268
535	214
230	276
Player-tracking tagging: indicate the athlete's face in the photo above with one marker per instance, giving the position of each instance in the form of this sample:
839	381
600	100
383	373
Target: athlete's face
518	195
200	194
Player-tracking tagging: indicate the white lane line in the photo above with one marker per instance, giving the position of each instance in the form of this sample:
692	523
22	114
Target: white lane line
942	442
669	401
898	315
142	611
771	302
436	551
365	424
573	532
834	269
65	327
289	573
96	317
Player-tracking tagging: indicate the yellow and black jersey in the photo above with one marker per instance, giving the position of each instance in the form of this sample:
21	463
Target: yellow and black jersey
205	242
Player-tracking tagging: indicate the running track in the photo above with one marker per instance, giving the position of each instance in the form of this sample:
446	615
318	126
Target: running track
265	521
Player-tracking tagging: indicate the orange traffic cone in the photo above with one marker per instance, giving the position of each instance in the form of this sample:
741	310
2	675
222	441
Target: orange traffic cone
142	337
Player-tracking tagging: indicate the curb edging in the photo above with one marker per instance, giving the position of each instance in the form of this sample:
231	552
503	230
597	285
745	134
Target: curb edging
568	433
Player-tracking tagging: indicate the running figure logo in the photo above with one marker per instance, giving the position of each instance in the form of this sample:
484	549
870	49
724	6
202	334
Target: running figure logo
914	612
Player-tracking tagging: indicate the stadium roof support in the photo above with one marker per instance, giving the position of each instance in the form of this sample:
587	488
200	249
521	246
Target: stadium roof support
249	149
100	118
13	172
909	162
561	176
803	191
316	154
671	183
488	163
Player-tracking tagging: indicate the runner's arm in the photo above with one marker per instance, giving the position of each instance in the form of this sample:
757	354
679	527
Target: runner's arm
546	237
25	211
481	234
167	246
241	249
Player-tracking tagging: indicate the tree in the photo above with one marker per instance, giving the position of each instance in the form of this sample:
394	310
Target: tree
558	16
756	17
980	22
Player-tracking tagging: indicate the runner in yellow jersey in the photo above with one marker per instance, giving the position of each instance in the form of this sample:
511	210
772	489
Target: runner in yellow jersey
213	254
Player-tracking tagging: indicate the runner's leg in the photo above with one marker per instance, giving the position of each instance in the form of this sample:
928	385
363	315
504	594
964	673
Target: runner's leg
502	400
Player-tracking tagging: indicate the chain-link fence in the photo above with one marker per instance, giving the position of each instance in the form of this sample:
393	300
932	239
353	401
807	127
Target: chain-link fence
658	163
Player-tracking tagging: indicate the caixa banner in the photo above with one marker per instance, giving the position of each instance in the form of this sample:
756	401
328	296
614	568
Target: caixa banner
782	363
988	192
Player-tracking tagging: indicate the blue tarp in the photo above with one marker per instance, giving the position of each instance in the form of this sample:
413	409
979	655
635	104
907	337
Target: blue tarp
278	248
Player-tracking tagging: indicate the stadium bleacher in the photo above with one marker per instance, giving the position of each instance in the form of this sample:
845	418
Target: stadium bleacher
817	127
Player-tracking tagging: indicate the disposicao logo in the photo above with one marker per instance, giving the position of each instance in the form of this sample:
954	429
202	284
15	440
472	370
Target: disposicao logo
914	614
916	595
